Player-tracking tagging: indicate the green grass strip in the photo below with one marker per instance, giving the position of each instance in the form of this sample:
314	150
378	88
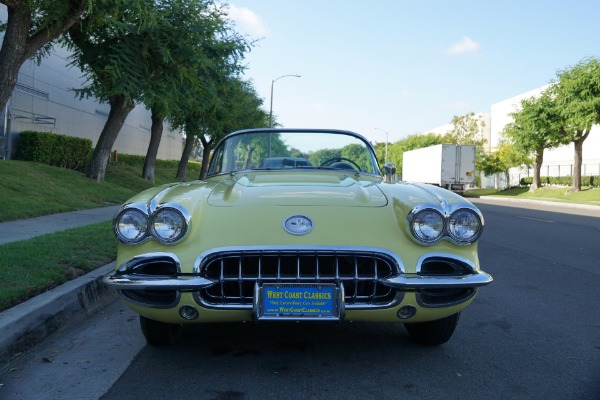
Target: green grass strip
28	189
31	267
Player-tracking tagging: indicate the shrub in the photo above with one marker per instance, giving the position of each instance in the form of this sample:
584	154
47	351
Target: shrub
138	161
526	181
193	167
591	181
56	150
75	153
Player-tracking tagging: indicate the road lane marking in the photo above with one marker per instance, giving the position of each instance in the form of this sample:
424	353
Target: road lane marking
538	219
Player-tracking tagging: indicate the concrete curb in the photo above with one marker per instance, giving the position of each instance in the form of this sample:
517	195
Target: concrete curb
28	324
538	202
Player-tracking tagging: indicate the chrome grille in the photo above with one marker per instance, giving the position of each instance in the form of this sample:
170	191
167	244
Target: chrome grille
237	273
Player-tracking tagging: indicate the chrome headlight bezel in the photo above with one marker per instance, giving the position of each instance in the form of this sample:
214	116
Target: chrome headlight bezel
427	225
150	223
176	214
131	210
450	216
456	223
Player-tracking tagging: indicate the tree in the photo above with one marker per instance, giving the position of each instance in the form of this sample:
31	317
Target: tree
240	108
156	131
30	29
358	153
322	155
536	126
466	129
113	48
253	149
198	45
134	52
380	152
501	160
231	104
193	131
577	94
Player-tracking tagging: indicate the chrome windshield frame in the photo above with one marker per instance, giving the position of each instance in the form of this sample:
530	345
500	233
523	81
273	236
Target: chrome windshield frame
214	159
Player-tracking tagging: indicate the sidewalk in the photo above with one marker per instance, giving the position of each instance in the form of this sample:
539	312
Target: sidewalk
571	208
28	324
13	231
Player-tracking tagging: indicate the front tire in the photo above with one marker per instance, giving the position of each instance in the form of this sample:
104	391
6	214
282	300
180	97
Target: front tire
159	333
433	333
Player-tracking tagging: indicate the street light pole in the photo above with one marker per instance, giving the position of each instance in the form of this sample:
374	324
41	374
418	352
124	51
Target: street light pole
271	108
386	143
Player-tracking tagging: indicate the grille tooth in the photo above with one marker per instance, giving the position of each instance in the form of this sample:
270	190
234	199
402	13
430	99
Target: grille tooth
238	272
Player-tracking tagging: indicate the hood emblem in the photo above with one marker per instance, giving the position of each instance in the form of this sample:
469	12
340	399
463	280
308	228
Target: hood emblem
298	224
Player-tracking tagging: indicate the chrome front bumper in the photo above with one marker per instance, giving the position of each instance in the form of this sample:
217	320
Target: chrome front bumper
402	282
132	282
227	277
416	282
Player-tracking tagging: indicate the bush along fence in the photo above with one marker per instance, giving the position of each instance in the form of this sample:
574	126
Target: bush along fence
591	181
138	161
56	150
75	153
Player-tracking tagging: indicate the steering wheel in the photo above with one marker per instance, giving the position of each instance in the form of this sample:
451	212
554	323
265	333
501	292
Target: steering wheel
342	160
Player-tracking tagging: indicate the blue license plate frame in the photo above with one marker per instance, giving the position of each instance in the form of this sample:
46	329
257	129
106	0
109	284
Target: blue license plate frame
298	301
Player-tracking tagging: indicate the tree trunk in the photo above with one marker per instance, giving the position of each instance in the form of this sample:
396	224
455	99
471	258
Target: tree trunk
537	167
577	161
155	135
187	151
12	53
205	159
248	155
120	107
206	148
18	46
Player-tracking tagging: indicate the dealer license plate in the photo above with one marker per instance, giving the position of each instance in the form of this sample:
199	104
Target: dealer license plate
298	301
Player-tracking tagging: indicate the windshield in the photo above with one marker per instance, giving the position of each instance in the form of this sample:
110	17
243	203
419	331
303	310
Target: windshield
286	149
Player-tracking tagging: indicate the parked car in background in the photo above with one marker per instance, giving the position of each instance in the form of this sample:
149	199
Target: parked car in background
297	225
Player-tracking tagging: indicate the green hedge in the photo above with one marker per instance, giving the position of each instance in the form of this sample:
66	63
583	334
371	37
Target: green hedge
75	153
56	150
138	161
591	181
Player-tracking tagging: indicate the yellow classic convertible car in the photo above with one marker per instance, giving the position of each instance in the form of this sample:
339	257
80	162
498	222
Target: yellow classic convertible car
300	225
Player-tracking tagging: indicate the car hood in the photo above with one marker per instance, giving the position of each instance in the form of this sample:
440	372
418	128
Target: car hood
297	190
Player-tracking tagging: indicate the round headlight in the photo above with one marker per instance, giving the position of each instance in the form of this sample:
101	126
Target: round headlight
169	225
465	226
427	226
131	225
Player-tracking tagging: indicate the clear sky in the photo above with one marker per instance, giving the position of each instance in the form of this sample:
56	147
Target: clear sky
407	66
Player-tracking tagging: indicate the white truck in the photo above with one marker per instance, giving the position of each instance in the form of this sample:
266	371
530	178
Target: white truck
450	166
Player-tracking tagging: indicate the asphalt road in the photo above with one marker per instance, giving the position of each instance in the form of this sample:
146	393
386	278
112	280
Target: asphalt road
533	334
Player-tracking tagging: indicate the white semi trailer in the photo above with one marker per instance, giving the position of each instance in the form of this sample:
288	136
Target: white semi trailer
450	166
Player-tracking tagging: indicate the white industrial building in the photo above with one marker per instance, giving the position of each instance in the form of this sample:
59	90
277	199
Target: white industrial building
557	162
44	100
